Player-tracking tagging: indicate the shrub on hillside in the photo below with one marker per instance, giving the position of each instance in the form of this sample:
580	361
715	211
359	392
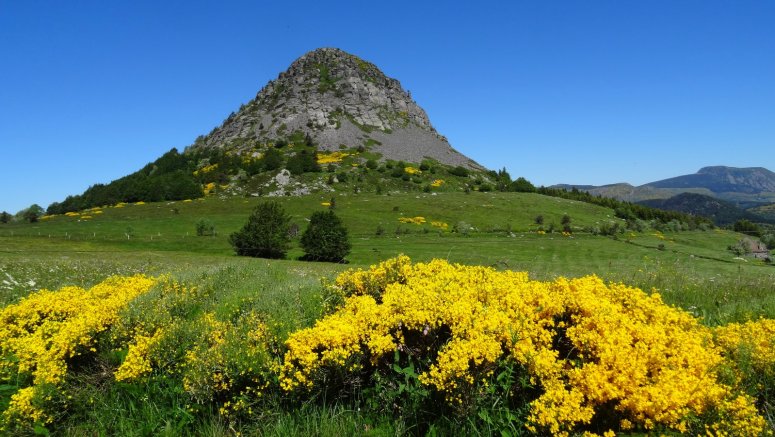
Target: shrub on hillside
326	238
265	235
459	171
205	227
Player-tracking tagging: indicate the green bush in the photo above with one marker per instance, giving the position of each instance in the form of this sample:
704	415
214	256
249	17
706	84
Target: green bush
459	171
205	227
265	235
326	238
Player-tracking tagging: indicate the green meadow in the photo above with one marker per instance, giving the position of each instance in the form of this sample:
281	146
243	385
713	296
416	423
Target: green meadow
692	270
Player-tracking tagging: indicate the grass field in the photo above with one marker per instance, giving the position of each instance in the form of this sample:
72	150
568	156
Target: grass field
692	270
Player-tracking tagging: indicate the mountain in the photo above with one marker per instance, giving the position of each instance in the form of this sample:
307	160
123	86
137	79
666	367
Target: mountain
339	101
720	179
330	122
720	211
745	187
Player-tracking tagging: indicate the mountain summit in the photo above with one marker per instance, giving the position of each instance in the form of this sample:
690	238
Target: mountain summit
339	101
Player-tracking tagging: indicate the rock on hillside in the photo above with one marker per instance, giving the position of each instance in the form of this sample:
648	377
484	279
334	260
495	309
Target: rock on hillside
337	99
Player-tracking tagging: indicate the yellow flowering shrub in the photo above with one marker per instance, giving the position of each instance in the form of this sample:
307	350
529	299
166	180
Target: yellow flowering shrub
331	158
594	353
437	183
413	220
42	333
441	225
139	358
749	349
412	170
206	169
231	361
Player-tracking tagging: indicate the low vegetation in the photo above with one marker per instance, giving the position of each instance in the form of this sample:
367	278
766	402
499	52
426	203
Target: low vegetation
218	344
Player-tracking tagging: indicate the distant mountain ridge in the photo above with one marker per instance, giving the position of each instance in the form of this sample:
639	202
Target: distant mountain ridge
717	192
746	187
720	211
720	179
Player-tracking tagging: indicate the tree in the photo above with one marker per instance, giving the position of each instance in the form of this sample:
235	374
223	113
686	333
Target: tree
272	160
33	213
265	235
566	220
5	217
326	238
522	185
746	227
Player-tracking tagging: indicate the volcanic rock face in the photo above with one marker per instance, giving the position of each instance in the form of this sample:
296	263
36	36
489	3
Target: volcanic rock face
338	100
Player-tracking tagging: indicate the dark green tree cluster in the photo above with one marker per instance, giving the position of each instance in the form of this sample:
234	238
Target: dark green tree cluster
267	235
747	227
5	217
167	178
31	214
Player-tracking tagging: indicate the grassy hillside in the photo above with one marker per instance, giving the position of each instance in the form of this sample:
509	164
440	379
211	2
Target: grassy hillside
692	270
495	229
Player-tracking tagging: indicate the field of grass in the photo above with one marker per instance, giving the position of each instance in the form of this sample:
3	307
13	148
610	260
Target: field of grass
692	270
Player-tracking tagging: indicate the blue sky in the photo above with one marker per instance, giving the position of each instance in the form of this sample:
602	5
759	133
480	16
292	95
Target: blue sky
589	92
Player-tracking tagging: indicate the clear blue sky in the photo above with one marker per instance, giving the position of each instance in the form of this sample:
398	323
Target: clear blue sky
586	91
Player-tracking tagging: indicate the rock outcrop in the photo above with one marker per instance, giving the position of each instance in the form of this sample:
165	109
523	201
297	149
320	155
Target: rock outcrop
339	100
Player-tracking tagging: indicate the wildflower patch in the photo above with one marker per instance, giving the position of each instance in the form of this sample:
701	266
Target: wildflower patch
44	332
595	355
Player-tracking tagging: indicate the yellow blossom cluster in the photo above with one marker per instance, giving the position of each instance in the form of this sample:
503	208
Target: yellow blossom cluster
441	225
331	158
209	188
44	331
437	183
412	170
592	350
413	220
754	338
206	169
138	361
232	360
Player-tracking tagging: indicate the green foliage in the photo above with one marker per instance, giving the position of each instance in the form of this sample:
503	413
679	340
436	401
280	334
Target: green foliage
205	227
32	214
305	161
5	217
746	227
168	178
326	81
265	235
627	210
326	238
522	185
371	164
459	171
272	160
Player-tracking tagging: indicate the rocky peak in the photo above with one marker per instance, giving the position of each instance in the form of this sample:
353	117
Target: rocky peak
339	100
